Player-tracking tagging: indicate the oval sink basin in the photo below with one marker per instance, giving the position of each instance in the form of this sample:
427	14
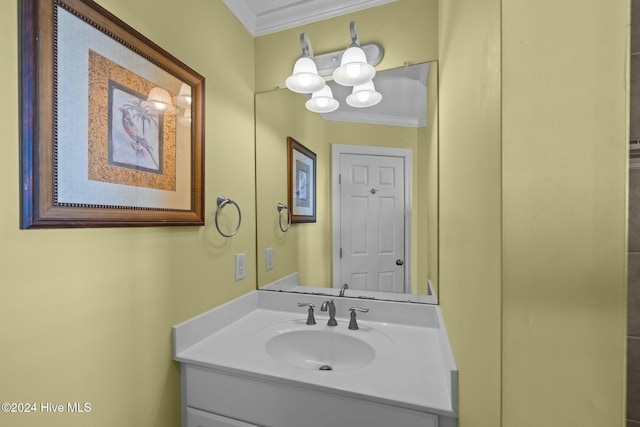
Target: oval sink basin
320	350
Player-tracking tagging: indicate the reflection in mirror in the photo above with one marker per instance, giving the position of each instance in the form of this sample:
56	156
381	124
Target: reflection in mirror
377	149
184	105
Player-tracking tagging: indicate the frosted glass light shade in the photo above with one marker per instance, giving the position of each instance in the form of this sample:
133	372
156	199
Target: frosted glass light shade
322	101
354	69
305	78
364	96
185	120
184	96
160	99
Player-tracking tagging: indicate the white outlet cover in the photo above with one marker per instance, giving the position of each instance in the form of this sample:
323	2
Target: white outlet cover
240	266
269	258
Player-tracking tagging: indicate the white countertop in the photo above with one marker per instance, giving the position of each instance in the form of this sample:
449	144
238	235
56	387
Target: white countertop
413	367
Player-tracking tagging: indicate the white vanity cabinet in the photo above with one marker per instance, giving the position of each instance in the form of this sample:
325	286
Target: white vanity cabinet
227	397
196	418
228	379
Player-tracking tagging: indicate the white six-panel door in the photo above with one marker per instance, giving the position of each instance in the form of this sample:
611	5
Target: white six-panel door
372	222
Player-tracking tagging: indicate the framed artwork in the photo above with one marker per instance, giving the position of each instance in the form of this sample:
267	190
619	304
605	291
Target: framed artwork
112	130
301	182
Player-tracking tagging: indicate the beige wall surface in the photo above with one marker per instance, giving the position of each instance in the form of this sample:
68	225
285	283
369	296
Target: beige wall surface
564	140
470	201
427	191
533	180
86	315
305	248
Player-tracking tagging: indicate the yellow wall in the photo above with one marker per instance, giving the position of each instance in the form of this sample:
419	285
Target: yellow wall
86	315
305	248
470	201
427	191
564	139
533	147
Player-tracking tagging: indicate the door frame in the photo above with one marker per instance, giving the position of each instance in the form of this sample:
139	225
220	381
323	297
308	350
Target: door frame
407	155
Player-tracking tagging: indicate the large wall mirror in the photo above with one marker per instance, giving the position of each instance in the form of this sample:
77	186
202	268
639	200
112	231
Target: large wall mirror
376	191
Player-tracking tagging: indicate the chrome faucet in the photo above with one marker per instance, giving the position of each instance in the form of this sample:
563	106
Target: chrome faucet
329	305
342	289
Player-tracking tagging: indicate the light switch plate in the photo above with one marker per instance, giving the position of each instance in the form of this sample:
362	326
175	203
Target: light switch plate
269	258
240	266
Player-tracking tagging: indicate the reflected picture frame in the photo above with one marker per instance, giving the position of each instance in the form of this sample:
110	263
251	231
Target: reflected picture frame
96	149
301	182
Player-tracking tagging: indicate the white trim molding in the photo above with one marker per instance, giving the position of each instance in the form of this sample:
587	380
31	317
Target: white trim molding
294	14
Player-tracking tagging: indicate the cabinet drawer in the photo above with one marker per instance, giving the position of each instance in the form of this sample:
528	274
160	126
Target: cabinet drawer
273	404
196	418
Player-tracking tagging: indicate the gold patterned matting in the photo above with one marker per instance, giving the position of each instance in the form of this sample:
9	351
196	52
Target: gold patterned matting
130	142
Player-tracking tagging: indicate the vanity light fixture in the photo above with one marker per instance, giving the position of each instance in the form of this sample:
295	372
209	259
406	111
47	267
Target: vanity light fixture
354	69
160	99
364	95
322	101
305	78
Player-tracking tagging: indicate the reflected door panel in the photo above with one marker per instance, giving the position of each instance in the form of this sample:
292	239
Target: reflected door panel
372	222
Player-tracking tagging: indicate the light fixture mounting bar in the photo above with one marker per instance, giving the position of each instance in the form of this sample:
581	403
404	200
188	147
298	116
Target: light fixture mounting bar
305	45
328	62
355	37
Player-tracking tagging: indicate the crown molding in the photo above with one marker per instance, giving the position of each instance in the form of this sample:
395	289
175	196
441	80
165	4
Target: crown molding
375	119
296	14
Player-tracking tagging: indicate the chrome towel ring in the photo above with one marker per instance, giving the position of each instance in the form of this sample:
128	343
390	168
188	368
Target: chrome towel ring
281	208
222	202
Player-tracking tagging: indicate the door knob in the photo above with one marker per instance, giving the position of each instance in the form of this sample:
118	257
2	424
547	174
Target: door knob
399	262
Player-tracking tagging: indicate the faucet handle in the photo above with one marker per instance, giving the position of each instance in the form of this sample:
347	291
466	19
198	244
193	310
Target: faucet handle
310	318
353	323
305	304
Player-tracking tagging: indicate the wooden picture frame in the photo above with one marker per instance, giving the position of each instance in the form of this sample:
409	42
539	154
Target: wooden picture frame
96	151
301	182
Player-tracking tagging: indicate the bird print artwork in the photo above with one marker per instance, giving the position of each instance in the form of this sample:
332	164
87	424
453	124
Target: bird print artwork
138	141
136	131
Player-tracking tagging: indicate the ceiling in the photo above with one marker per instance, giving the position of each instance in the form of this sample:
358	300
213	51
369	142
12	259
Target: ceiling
404	99
403	90
262	17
